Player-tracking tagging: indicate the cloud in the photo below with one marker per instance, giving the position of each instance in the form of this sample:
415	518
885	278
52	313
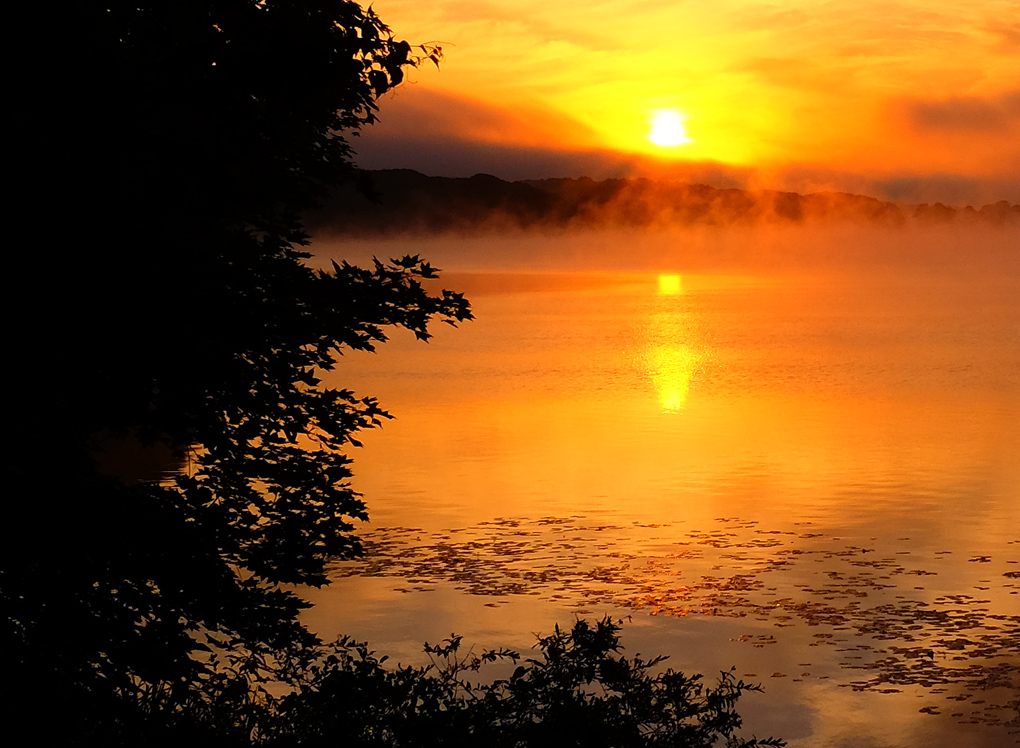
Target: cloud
968	113
792	73
755	17
1008	33
444	135
539	28
458	157
415	112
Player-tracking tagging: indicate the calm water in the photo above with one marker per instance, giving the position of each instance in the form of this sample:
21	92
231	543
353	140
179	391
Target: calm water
811	475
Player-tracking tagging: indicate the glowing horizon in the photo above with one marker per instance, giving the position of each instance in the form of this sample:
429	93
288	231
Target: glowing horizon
925	88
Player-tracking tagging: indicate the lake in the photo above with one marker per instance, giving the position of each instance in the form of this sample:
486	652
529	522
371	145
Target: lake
793	455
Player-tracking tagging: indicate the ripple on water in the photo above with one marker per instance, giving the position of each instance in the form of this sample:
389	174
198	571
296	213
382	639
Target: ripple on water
869	604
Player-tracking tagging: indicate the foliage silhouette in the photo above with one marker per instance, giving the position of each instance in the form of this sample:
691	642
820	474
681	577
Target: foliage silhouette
579	691
172	316
177	316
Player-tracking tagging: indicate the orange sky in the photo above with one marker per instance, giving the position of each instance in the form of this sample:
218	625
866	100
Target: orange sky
865	95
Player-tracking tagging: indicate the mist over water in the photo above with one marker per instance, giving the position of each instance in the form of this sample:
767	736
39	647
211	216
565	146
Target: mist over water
847	249
788	450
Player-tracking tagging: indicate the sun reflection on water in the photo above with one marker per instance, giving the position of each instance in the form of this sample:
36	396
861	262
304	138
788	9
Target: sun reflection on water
671	285
672	358
673	368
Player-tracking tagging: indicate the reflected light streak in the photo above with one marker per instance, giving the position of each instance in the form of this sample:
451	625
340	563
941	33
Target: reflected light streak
671	360
673	368
671	285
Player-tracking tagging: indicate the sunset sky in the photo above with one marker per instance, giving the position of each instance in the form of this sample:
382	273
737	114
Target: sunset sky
910	100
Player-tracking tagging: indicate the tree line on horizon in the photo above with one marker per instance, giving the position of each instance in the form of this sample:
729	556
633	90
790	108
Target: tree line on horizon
403	201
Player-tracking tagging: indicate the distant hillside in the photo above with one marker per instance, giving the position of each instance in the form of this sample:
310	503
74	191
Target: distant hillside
403	201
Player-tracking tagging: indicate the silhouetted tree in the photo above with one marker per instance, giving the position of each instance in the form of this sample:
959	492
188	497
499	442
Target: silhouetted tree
579	691
163	307
166	306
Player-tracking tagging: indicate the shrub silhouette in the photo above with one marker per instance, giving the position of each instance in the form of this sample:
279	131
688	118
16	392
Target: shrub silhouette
578	691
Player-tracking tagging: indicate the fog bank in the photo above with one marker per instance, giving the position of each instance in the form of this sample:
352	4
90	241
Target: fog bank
914	250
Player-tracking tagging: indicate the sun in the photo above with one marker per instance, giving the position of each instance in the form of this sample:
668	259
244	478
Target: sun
668	128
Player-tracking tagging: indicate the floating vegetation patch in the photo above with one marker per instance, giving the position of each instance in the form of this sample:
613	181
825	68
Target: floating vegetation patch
870	604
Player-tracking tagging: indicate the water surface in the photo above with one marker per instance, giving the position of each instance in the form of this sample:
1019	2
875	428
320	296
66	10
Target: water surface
810	474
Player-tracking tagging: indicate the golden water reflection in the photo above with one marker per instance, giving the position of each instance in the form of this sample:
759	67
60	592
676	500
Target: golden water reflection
672	358
673	368
856	560
671	285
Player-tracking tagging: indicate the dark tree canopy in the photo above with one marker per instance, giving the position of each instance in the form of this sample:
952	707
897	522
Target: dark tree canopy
166	307
164	312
